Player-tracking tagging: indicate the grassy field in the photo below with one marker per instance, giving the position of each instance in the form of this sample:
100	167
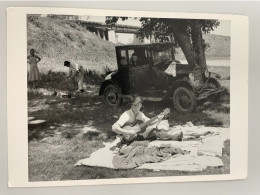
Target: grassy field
55	147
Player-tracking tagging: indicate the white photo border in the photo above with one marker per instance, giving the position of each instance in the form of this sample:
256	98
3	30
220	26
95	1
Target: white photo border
17	95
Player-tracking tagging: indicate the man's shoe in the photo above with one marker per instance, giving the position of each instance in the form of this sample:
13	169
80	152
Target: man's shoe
177	137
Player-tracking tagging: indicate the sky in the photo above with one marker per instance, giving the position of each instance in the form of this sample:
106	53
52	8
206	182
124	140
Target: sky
223	29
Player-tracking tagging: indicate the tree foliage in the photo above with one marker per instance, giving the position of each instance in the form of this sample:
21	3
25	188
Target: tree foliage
186	33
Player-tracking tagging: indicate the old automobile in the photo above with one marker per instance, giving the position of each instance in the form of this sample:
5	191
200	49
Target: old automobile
142	69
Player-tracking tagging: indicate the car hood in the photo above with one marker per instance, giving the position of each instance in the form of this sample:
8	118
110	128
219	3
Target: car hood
183	69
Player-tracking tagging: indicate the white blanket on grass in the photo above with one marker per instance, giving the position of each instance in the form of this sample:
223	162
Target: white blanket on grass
203	154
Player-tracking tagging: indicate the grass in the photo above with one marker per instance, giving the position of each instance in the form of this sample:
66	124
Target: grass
223	71
58	40
55	147
63	158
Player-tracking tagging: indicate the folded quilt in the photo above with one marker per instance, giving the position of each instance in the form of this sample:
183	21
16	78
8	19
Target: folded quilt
130	157
185	163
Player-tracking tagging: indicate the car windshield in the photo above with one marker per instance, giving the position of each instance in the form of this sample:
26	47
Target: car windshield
162	54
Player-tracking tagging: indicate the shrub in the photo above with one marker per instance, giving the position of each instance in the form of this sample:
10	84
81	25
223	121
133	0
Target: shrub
70	36
33	18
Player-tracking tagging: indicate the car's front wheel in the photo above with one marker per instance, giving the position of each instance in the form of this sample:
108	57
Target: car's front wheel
184	100
112	95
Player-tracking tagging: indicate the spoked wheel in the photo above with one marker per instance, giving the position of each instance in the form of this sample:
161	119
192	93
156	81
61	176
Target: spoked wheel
112	95
184	100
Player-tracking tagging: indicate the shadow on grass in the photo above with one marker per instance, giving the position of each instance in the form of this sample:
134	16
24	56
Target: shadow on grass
58	80
80	116
77	127
87	116
205	114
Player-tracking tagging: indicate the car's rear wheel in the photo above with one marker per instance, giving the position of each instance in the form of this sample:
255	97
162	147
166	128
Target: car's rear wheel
112	95
184	100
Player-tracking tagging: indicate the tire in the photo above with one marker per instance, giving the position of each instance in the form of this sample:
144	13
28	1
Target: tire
112	95
184	100
214	84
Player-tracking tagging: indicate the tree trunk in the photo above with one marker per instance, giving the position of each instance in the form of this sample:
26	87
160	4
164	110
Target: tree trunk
198	45
184	42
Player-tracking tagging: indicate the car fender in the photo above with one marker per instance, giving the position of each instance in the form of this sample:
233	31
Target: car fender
110	74
181	83
104	84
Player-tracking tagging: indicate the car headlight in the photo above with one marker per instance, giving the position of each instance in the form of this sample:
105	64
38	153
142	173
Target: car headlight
109	76
191	76
206	73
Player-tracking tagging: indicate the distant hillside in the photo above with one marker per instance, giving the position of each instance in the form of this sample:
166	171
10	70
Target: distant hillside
218	47
58	40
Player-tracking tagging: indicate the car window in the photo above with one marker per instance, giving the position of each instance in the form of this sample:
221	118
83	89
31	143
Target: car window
138	57
123	58
162	55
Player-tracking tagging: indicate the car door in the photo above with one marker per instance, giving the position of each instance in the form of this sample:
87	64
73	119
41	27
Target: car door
160	63
139	69
122	76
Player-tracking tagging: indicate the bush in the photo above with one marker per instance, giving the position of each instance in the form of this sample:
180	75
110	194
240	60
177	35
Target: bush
33	18
70	36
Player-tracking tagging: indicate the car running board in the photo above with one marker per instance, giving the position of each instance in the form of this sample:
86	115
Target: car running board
153	95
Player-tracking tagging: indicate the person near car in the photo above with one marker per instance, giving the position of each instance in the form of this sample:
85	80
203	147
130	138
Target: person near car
130	117
77	73
134	59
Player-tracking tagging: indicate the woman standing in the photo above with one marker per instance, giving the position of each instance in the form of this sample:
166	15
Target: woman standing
34	74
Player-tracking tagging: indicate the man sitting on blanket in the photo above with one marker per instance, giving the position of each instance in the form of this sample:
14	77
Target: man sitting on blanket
131	116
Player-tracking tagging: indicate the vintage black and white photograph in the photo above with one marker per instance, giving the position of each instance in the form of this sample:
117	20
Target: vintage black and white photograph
127	97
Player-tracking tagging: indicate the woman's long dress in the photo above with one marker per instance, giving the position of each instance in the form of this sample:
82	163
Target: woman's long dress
34	73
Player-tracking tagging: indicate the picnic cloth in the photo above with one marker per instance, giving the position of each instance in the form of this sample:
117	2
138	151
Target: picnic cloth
199	158
130	157
185	163
102	157
211	146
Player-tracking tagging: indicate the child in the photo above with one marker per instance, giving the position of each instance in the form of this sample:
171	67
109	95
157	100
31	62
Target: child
34	74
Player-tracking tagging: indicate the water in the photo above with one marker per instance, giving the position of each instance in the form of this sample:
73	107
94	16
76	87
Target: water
218	62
